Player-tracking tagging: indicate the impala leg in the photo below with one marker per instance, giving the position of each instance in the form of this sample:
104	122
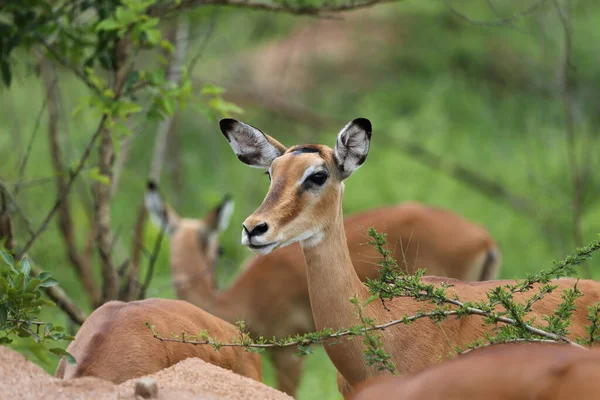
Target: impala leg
288	369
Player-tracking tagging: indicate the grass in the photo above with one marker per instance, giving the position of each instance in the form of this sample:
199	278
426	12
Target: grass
477	96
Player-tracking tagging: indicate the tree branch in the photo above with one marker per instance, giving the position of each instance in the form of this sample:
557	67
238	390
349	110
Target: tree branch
82	266
325	10
536	5
103	191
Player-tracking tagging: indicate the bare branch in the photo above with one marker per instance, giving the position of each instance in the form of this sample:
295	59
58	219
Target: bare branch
102	191
566	67
152	262
69	184
130	291
536	5
325	10
38	119
65	223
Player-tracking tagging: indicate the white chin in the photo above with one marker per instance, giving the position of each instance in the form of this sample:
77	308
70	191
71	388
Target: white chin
262	249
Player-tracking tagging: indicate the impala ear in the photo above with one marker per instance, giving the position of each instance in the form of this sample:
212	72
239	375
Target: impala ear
251	146
352	146
218	219
161	214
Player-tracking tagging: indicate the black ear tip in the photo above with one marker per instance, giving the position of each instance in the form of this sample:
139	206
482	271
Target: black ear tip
151	185
228	197
363	123
226	124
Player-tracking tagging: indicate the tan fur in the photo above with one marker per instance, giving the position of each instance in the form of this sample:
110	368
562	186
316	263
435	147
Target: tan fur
500	372
317	218
115	344
272	291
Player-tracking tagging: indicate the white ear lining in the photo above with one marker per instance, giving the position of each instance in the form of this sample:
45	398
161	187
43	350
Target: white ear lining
225	215
352	146
250	145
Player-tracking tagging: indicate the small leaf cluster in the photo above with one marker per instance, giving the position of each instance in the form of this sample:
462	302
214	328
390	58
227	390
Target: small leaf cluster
21	302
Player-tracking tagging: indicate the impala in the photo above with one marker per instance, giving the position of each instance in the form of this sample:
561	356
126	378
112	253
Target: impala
272	292
304	204
499	372
115	344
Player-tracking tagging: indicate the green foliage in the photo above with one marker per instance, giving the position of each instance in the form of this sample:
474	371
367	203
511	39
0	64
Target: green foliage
21	302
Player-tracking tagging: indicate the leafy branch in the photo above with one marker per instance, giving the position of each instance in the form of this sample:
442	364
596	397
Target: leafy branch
510	319
21	302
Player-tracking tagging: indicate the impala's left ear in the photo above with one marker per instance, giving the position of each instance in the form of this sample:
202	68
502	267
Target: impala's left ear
250	145
352	146
218	219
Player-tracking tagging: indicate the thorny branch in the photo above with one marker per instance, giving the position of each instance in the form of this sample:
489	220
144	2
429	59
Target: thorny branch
414	289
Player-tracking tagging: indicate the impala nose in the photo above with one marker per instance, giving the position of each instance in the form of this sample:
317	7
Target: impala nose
257	230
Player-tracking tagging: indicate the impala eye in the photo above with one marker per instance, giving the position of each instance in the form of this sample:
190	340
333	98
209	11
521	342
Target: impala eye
318	178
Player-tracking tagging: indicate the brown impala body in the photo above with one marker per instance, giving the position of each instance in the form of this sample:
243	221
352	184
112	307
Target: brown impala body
304	204
272	291
115	344
499	372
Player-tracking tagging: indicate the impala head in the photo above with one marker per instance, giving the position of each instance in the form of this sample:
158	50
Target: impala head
306	182
188	234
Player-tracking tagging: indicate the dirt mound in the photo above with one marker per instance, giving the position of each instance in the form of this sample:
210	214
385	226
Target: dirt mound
191	379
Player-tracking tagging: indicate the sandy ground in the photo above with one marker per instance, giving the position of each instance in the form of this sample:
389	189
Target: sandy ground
191	379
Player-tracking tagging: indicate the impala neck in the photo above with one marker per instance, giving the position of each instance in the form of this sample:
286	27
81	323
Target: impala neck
193	278
332	279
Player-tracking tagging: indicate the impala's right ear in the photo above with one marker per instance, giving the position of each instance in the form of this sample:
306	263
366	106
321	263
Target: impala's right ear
250	145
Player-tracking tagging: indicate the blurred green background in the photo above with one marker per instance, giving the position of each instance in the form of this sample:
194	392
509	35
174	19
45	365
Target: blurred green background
486	97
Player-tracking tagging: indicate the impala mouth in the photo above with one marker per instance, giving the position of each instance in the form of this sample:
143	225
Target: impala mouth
262	248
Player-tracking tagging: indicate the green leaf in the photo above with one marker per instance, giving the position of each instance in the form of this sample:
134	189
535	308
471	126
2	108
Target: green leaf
49	283
32	285
62	353
95	175
212	90
108	25
125	15
8	258
44	275
25	267
152	36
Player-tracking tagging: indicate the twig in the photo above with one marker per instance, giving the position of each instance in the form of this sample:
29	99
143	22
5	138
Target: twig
152	261
32	137
548	341
63	195
209	32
